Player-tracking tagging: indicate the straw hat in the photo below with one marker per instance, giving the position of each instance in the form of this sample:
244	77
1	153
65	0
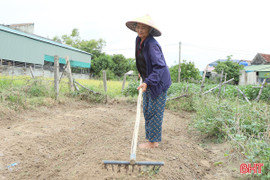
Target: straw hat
146	20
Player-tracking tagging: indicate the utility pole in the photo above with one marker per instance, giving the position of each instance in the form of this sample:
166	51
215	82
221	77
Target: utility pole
179	69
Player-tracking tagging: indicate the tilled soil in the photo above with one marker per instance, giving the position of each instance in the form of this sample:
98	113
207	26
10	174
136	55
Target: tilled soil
70	140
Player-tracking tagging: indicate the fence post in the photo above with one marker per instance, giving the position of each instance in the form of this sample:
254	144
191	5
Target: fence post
243	95
68	70
225	79
204	73
220	83
124	82
56	76
105	81
261	89
31	71
1	62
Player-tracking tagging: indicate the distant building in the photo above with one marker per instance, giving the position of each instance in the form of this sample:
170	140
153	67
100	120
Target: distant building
257	72
238	61
19	49
212	74
25	27
254	74
260	59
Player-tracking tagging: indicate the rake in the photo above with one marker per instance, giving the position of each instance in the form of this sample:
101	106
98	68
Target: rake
132	161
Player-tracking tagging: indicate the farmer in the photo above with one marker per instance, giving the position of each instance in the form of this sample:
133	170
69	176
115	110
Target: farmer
156	77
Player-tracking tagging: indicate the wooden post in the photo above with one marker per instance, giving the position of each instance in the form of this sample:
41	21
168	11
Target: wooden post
68	70
56	76
220	83
224	90
105	81
243	95
32	73
260	92
124	82
204	73
217	86
179	68
1	62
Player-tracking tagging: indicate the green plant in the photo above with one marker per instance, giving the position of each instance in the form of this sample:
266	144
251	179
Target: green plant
188	71
131	89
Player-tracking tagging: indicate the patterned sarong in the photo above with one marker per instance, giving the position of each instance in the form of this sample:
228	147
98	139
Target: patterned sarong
153	110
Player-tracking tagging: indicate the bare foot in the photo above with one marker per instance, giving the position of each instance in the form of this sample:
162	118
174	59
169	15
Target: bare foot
148	145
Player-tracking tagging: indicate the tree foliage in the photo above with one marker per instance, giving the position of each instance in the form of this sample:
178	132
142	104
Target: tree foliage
188	71
231	68
92	46
115	65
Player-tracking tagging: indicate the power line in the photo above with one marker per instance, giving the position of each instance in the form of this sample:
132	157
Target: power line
225	50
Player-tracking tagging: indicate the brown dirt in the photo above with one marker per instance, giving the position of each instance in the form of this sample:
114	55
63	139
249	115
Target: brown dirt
70	140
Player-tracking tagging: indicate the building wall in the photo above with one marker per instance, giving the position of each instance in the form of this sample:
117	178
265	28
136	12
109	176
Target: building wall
38	72
29	27
258	60
247	78
24	49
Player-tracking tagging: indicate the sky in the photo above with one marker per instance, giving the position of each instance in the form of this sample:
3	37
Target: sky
207	29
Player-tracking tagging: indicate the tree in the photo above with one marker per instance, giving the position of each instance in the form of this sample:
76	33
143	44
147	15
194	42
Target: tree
92	46
231	68
100	63
188	71
116	65
120	65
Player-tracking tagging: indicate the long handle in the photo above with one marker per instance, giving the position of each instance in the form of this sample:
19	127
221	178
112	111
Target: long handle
136	128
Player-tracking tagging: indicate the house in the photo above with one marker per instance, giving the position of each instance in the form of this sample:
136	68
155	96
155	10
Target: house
257	72
20	48
254	74
260	59
212	74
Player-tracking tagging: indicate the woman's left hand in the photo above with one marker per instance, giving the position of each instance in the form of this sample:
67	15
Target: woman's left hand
143	86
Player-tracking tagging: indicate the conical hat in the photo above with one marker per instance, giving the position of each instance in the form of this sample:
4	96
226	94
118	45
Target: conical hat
146	20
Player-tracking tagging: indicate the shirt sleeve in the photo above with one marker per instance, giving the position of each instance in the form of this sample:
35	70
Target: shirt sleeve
158	65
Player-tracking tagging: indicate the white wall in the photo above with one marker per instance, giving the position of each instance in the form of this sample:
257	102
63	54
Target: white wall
18	71
247	78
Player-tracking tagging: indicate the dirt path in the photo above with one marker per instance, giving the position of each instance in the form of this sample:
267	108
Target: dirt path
70	141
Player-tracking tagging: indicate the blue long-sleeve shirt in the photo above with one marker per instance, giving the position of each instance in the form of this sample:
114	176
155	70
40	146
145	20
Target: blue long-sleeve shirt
158	74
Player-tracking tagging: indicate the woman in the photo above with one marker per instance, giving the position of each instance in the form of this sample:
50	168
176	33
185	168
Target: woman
156	77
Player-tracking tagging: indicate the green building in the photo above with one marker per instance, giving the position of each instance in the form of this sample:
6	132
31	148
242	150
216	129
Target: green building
22	49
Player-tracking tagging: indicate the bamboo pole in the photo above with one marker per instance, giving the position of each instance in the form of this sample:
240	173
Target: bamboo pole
105	81
68	70
32	73
179	68
243	95
87	88
56	76
178	97
204	74
124	82
220	83
224	90
217	86
260	92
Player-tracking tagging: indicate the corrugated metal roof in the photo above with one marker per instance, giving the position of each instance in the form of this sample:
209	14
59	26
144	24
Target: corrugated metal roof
39	38
257	68
266	56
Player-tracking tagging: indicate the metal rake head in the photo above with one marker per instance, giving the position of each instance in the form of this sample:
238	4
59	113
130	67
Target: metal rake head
142	166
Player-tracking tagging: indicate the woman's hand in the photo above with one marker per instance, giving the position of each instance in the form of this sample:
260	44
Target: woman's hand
143	86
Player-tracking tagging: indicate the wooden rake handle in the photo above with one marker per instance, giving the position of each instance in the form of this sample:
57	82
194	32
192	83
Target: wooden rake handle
136	128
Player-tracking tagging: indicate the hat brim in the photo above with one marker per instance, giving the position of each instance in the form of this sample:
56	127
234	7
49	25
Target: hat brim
132	26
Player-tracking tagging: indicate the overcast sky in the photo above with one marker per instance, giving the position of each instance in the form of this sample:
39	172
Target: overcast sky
207	29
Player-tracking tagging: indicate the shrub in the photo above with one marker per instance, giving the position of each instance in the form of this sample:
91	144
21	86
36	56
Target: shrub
131	89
